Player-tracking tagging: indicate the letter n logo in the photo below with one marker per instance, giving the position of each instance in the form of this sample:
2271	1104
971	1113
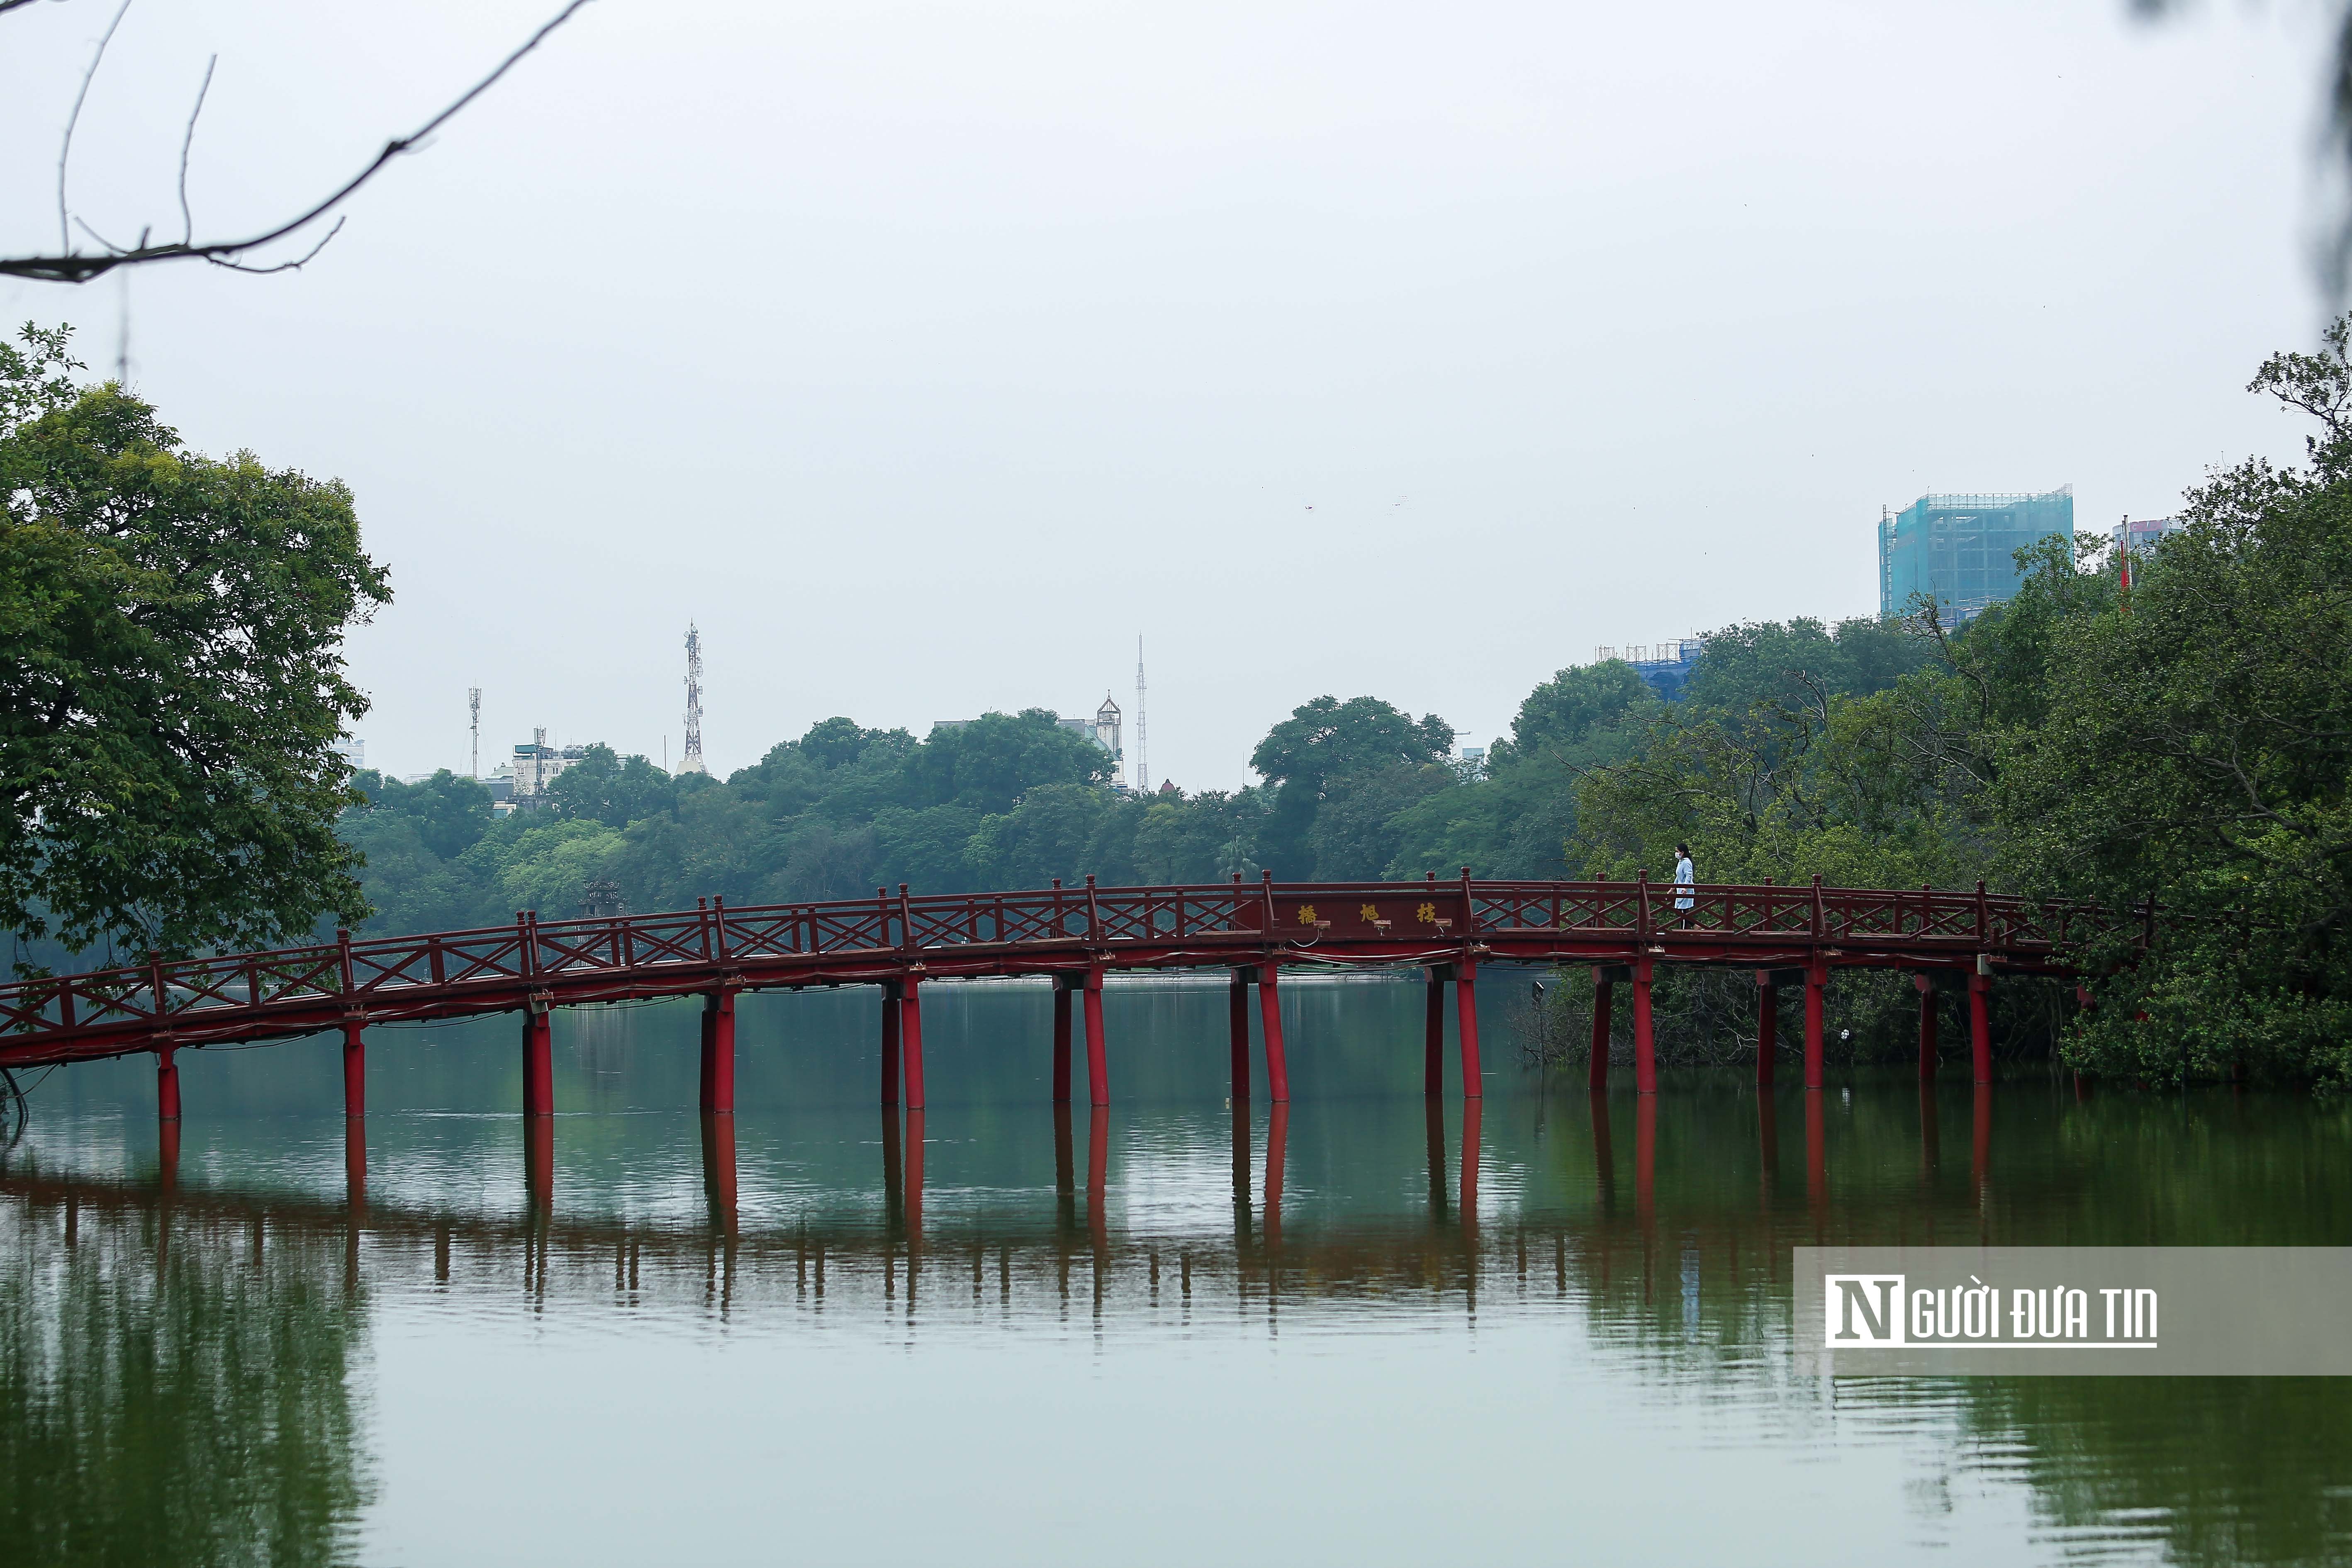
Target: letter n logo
1862	1310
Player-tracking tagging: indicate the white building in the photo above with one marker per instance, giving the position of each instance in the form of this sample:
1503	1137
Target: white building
537	766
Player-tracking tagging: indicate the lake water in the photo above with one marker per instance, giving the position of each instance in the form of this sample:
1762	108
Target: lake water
1544	1328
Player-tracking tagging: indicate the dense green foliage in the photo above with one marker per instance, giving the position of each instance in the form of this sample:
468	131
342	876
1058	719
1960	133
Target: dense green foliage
171	675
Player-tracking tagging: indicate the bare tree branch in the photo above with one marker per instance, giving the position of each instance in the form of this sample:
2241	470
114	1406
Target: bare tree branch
69	267
188	139
65	146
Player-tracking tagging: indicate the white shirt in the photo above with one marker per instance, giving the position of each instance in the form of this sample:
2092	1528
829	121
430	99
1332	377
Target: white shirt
1685	877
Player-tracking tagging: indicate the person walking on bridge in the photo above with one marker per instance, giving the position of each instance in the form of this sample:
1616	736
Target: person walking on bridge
1686	882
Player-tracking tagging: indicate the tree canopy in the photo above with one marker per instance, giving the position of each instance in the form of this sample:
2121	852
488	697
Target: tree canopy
172	679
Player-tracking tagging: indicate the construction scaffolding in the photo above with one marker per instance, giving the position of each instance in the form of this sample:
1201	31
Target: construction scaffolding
1960	550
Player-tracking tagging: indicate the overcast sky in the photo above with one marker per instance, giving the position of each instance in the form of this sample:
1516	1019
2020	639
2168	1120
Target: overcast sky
927	354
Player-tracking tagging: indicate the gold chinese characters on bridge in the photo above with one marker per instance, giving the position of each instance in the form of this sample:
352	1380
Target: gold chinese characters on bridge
1402	918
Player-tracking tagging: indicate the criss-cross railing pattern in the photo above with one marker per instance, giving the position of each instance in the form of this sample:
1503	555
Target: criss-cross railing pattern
1052	926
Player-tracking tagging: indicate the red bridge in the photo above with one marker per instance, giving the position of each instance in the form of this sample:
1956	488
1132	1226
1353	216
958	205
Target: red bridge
1785	935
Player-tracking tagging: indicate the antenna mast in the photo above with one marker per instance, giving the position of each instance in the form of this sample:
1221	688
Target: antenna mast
692	762
1142	762
474	705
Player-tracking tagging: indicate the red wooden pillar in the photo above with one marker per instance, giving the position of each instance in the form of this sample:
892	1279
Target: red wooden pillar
1927	1044
1466	1025
1098	1067
718	1097
1238	1031
1817	975
1604	992
1432	1065
1269	1017
910	1038
1768	1025
354	1067
1645	1045
167	1085
1980	1027
1061	1040
889	1042
537	1062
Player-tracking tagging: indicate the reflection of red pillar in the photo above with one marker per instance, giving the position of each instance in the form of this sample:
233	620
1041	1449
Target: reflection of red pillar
1926	1025
354	1069
1768	1025
1645	1050
1930	1147
1065	1182
1432	1035
1061	1041
1981	1137
1241	1115
1097	1068
1237	1033
719	1053
1466	1025
911	1039
1435	1116
1817	975
718	1168
167	1155
1816	1164
355	1161
538	1160
1098	1172
167	1084
1471	1148
1604	992
1768	1140
1645	1157
914	1172
537	1063
1278	1150
1604	1161
1269	1018
1980	1027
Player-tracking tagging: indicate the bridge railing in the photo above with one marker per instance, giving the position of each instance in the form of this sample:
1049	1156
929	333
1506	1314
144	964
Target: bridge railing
1395	916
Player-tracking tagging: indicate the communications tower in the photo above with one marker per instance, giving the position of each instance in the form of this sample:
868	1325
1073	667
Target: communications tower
474	707
1142	762
692	762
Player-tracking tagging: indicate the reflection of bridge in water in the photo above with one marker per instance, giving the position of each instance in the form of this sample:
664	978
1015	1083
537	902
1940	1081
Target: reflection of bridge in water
1795	936
888	1251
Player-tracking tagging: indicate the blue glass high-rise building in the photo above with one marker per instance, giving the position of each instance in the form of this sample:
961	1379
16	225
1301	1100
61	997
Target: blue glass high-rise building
1960	550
